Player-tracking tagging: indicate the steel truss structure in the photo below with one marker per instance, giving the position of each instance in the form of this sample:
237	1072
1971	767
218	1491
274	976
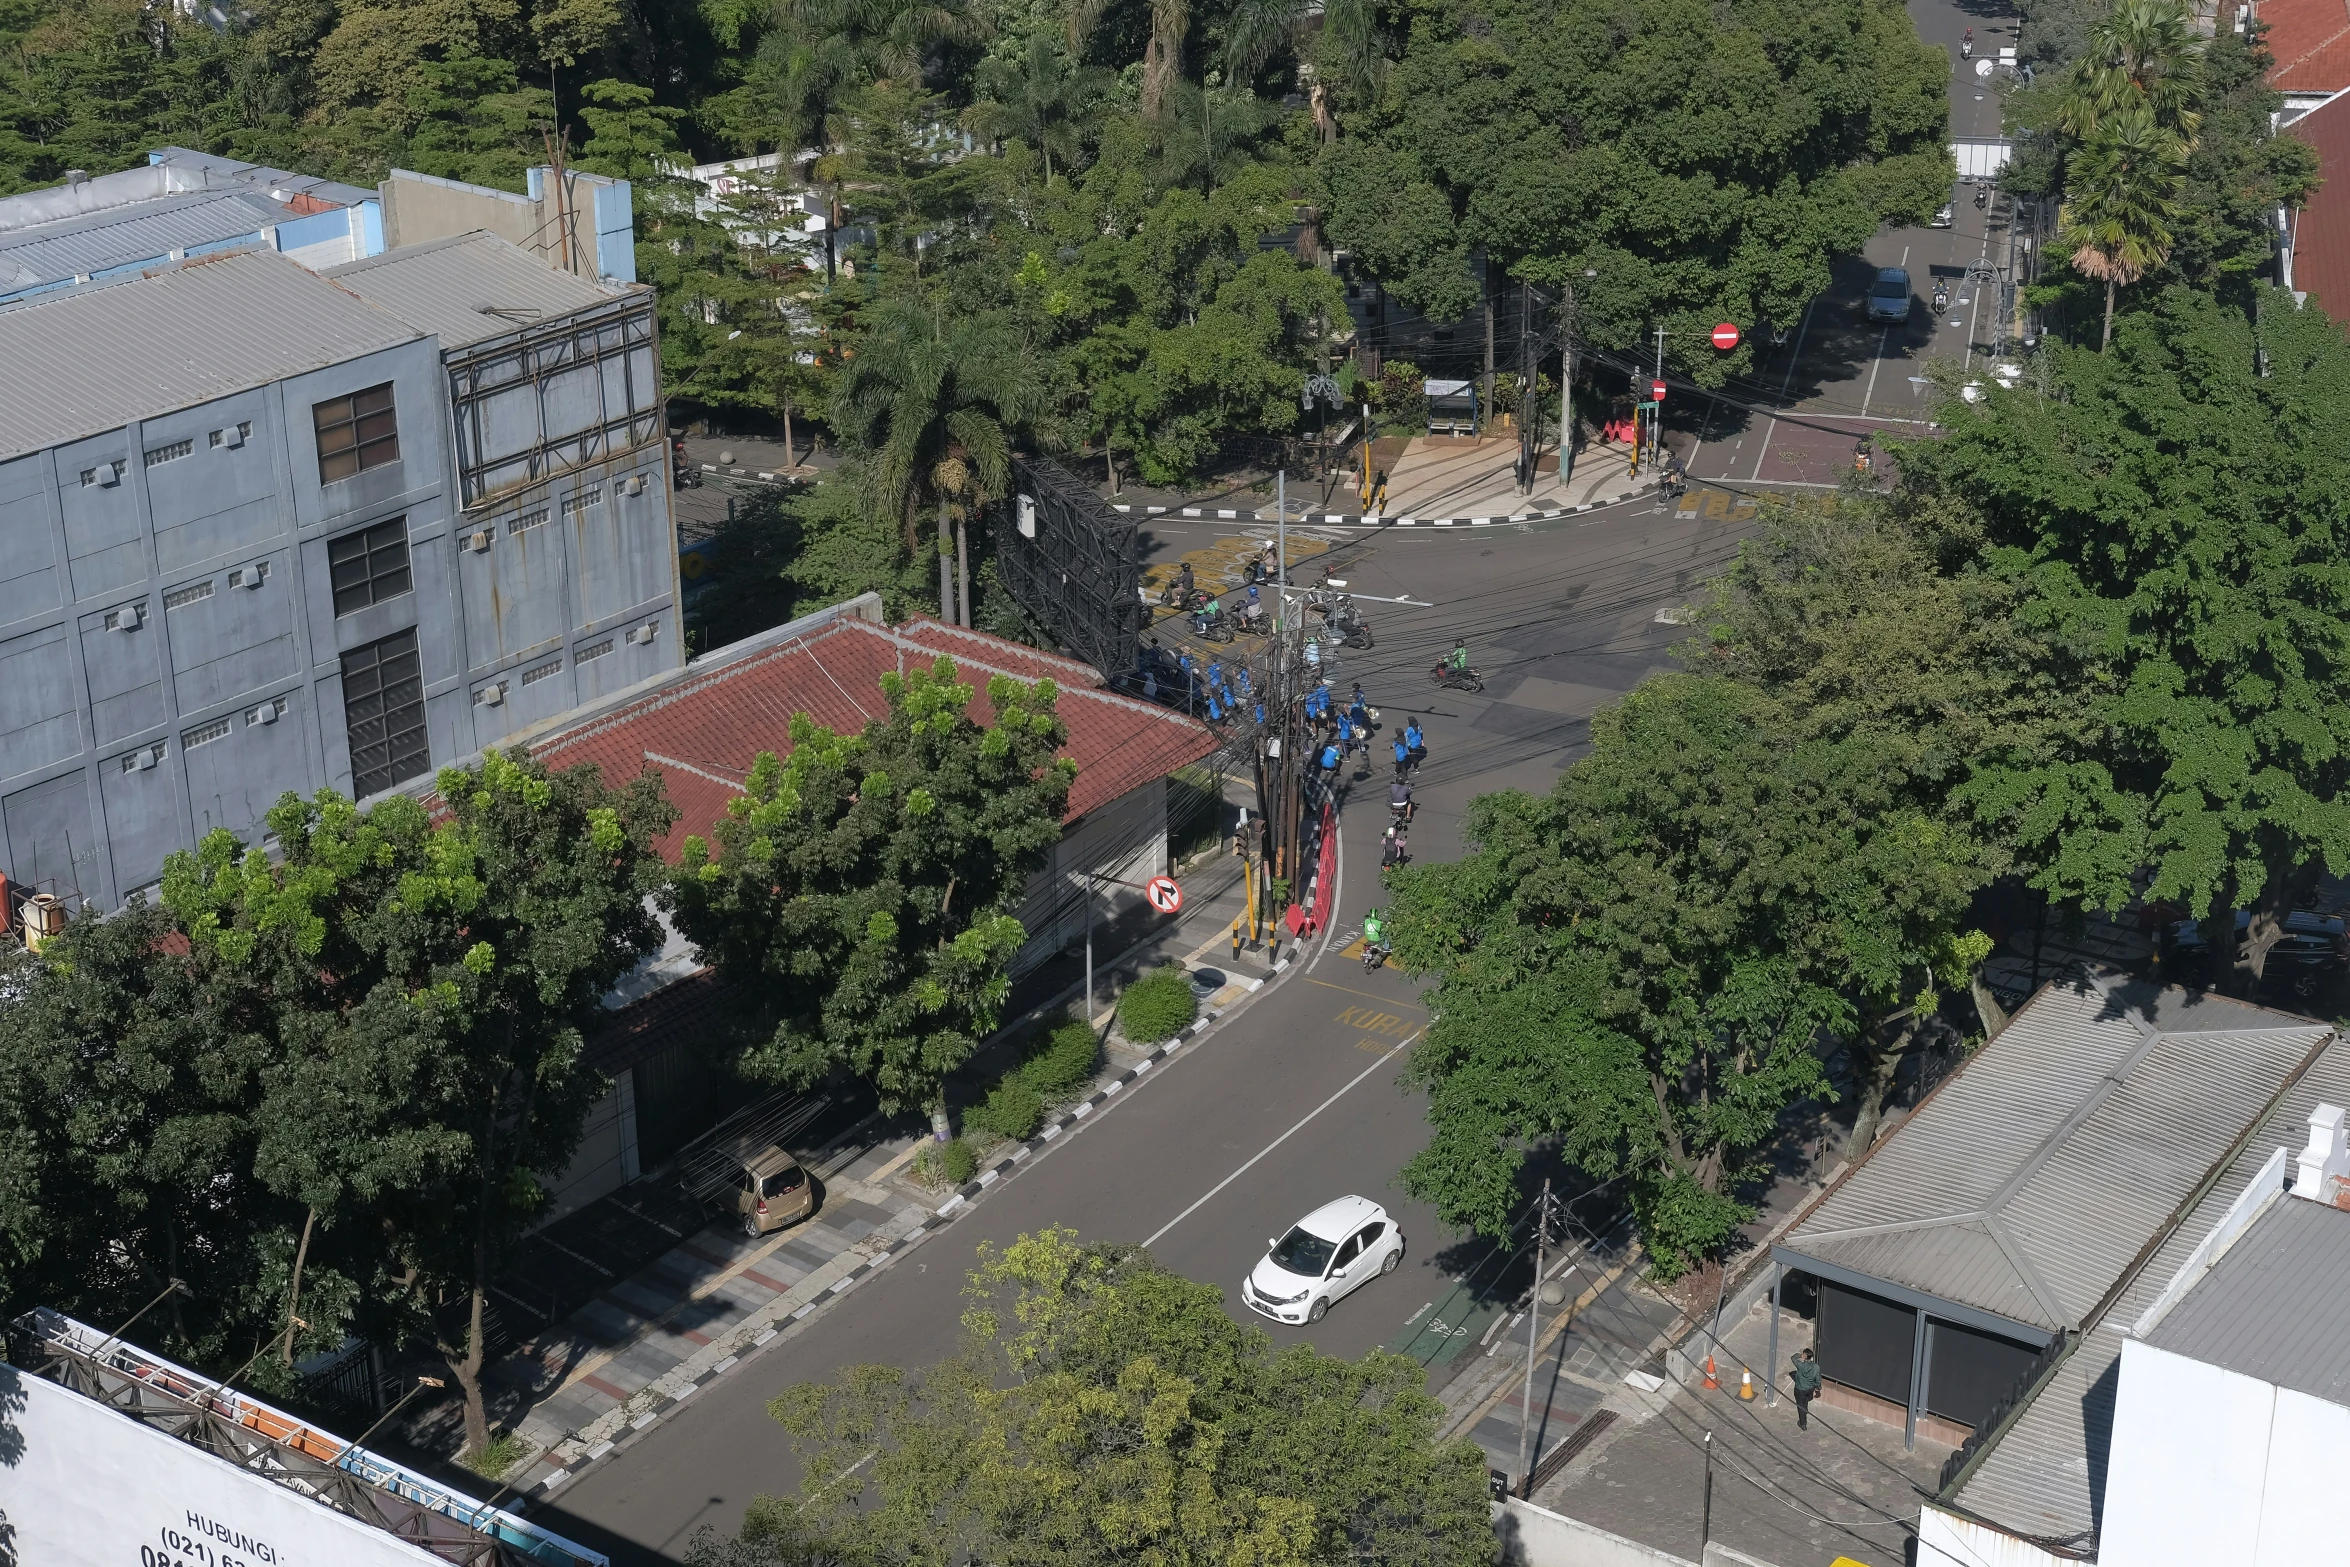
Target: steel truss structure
542	401
283	1448
1080	574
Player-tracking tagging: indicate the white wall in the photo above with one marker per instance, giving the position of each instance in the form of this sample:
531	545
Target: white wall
2211	1466
1534	1536
1124	841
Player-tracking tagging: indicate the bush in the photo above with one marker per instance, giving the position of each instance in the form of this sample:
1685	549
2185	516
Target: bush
1061	1057
1014	1110
1158	1006
957	1162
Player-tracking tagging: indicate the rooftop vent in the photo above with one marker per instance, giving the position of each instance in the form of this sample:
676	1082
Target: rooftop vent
2324	1169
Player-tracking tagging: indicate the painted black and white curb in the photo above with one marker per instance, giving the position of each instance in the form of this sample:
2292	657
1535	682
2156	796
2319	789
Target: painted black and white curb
1333	519
946	1213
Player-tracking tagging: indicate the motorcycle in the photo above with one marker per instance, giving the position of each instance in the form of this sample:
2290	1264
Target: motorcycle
1176	596
1448	678
1941	297
1966	45
1215	627
1346	623
1374	954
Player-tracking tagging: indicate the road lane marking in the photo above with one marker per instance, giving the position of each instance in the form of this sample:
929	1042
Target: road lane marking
1385	1001
1284	1137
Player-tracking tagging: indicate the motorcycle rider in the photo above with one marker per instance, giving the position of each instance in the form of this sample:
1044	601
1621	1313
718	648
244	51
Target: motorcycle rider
1374	938
1966	45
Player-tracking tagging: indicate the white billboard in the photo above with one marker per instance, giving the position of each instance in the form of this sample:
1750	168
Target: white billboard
84	1486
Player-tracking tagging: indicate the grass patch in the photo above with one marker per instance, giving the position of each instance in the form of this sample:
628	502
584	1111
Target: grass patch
492	1462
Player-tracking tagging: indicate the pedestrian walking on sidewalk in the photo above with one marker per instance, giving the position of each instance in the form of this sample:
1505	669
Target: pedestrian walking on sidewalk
1807	1388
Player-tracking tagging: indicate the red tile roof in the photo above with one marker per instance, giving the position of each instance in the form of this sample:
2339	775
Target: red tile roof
2321	232
2311	42
703	729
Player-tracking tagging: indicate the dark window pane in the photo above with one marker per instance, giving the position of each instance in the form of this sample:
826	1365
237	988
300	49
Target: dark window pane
383	714
369	566
356	433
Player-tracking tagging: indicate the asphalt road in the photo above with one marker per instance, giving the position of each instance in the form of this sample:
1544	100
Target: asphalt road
1294	1099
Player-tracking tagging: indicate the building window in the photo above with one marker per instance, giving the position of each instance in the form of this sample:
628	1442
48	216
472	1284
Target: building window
193	593
383	714
592	650
574	504
356	433
369	566
159	455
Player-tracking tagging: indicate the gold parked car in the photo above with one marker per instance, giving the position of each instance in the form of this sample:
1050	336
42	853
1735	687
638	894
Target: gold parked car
773	1191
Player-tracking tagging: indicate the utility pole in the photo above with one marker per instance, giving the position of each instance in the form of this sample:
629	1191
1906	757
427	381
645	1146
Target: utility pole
1485	287
1533	1315
1705	1527
1529	412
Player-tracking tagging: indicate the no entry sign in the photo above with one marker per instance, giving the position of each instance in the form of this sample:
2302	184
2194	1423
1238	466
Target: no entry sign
1165	896
1656	391
1726	337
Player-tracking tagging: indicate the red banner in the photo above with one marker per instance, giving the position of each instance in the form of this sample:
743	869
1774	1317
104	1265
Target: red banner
1322	891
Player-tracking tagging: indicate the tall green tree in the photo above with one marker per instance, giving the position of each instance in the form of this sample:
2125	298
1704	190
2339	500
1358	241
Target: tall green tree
936	398
2168	521
131	1084
2121	194
2141	54
860	889
1644	968
1041	97
433	981
1706	162
1103	1407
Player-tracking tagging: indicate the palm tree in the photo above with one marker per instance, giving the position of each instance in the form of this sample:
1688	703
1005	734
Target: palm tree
2121	193
1205	132
934	398
819	54
2144	52
1043	99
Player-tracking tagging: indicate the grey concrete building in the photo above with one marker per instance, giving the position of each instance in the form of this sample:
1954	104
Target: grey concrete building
262	529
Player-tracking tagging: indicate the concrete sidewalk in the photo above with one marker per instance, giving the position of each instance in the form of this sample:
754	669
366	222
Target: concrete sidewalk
1442	476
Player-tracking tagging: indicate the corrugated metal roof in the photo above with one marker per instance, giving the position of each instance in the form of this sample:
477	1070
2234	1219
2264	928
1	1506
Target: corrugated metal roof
2029	1182
704	728
93	359
2277	1306
92	242
2045	1476
469	288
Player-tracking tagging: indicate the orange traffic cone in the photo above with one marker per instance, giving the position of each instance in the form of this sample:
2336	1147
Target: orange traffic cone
1746	1386
1712	1381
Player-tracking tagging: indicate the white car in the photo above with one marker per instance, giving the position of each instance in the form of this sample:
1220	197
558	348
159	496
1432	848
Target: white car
1325	1255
